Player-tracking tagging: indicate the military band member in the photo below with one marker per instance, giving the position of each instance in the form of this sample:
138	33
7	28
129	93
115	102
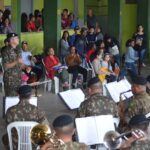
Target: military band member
64	128
139	103
142	123
11	59
96	104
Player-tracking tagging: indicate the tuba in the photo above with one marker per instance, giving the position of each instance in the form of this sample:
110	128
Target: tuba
41	134
113	140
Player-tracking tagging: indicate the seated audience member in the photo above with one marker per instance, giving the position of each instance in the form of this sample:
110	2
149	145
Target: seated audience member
72	21
7	27
91	36
90	52
23	111
140	122
64	129
64	19
138	104
31	26
148	85
113	49
73	37
99	34
96	104
29	66
64	45
73	62
106	70
55	68
96	63
81	43
131	56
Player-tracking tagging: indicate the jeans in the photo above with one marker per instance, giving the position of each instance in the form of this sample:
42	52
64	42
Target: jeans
117	59
131	67
143	51
75	70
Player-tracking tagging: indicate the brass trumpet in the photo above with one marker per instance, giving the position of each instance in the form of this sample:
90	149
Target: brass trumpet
113	140
41	134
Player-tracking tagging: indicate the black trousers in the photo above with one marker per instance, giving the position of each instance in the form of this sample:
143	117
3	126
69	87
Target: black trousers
75	70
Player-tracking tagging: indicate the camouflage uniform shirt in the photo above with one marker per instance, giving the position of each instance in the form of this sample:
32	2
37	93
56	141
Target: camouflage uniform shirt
74	146
141	145
97	105
23	111
12	76
139	104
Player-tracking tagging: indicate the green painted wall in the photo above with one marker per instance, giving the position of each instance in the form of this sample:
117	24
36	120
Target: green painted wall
37	4
7	2
129	23
67	4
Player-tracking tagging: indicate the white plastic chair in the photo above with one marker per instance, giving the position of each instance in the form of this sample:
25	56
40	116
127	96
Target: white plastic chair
23	130
49	84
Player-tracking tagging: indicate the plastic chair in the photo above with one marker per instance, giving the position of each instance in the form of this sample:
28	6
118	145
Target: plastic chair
23	129
49	84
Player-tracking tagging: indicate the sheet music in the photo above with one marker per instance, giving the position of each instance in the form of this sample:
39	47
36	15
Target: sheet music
87	132
116	88
11	101
104	123
91	130
73	98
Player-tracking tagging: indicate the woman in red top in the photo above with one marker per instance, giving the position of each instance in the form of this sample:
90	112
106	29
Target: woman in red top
31	26
90	53
55	68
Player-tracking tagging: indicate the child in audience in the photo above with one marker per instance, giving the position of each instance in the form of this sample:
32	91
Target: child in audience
31	26
7	27
106	68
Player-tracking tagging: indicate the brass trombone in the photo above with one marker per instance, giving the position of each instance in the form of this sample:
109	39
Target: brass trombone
113	140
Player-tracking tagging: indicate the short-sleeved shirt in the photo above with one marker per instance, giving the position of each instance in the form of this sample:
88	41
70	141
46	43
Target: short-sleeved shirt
25	57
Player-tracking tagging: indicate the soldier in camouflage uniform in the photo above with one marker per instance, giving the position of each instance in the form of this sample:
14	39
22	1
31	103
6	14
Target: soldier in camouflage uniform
96	104
11	59
23	111
142	123
64	128
139	104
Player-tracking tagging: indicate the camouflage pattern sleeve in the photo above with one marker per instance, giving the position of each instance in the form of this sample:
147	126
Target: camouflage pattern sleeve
81	112
140	145
9	116
5	57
